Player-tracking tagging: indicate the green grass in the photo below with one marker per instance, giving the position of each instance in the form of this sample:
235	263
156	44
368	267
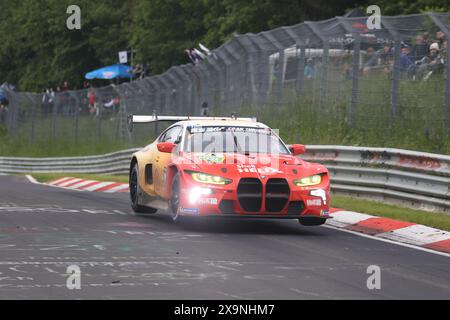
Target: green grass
431	219
48	177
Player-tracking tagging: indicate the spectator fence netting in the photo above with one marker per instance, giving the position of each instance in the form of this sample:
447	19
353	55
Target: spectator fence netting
335	72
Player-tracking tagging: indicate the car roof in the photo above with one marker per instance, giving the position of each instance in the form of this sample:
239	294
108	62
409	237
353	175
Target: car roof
230	123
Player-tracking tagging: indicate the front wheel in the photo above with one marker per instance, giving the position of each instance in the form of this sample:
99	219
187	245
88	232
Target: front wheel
174	203
134	193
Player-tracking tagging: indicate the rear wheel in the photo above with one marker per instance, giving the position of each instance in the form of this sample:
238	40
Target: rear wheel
312	221
134	193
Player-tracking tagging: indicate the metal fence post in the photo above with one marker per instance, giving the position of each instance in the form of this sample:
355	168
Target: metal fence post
395	86
301	68
325	61
447	85
355	72
54	114
33	115
446	108
355	82
395	75
77	107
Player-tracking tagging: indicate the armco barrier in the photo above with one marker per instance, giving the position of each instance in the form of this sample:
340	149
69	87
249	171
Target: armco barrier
113	163
415	179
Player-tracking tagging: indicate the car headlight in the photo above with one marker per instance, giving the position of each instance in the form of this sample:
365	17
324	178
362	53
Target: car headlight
309	181
208	178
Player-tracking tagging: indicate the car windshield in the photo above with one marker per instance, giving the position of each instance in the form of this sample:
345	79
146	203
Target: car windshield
228	139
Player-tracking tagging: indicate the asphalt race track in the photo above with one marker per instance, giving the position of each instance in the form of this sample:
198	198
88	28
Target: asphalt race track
44	230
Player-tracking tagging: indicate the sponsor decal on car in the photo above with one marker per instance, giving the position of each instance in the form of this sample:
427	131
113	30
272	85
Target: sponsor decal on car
189	211
314	203
212	158
251	168
208	201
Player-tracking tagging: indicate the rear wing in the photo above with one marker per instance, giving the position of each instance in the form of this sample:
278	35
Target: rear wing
136	119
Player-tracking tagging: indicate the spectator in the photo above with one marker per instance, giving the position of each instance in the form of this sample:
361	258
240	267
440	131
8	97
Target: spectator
138	71
193	56
385	58
113	104
372	60
310	69
433	63
406	60
440	38
205	108
92	102
86	84
3	110
46	101
421	47
51	99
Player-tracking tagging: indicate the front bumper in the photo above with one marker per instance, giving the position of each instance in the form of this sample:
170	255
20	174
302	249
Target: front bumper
227	201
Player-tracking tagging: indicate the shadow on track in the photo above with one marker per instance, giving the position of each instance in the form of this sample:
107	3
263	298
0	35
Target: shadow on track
237	225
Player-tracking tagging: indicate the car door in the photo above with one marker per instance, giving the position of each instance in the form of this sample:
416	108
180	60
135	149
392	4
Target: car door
162	160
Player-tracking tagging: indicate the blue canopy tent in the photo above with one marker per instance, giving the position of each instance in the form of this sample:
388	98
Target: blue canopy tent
111	72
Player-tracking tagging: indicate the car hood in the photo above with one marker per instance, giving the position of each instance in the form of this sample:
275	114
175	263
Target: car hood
252	165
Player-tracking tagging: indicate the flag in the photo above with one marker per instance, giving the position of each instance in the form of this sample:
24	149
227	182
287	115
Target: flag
123	57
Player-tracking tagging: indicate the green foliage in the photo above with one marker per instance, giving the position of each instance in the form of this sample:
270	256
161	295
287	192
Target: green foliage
38	51
389	7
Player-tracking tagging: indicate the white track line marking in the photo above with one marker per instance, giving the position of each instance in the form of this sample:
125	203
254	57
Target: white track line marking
32	179
389	241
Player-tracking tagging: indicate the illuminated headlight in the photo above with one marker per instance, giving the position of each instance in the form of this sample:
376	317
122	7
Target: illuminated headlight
195	193
308	181
209	179
320	193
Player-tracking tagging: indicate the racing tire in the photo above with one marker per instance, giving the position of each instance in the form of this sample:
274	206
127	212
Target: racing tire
312	221
134	192
174	202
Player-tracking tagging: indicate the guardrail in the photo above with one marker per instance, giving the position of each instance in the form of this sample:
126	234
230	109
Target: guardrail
414	179
114	163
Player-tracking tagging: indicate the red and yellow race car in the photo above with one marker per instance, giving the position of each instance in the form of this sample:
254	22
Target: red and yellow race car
226	167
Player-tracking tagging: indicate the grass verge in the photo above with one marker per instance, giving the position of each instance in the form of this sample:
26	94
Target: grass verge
431	219
48	177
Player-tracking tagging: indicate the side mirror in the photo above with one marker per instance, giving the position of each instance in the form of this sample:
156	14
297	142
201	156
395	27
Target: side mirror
297	149
166	147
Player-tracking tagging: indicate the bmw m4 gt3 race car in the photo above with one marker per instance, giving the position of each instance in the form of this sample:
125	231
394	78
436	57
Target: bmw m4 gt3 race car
228	167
